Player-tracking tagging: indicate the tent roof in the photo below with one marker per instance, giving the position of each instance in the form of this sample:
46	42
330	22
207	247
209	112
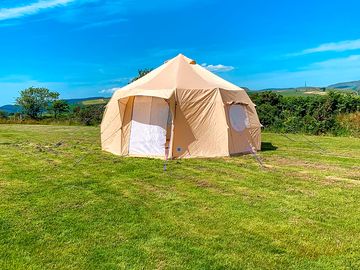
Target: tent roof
178	73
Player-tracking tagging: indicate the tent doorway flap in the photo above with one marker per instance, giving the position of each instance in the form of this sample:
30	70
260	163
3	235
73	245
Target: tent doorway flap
148	127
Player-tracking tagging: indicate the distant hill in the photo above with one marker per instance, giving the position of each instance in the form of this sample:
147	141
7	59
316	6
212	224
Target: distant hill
10	108
73	102
310	90
355	85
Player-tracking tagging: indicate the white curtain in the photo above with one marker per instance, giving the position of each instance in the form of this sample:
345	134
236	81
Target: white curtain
148	126
238	117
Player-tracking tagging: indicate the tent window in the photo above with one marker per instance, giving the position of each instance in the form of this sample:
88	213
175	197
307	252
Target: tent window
238	117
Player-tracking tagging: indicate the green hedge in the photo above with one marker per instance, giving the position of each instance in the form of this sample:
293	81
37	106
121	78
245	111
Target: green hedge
312	114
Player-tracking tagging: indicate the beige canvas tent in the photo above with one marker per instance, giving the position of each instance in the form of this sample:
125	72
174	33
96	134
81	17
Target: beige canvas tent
180	110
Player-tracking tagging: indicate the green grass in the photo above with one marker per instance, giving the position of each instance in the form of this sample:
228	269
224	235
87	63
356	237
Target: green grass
293	93
302	92
95	101
64	204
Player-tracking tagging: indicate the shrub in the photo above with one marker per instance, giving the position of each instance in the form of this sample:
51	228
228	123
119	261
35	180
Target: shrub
311	114
3	115
350	123
89	115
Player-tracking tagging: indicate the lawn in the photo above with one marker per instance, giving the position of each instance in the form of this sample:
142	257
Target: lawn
64	204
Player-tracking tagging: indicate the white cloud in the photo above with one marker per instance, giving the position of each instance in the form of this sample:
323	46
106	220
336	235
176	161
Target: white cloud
341	46
30	9
218	68
109	91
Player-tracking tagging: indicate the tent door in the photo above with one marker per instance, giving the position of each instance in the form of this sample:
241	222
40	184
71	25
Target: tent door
149	127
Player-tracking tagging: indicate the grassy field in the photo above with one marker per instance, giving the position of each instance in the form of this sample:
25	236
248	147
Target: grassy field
304	92
95	101
64	204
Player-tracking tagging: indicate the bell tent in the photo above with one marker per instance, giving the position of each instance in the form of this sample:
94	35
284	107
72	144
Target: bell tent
180	110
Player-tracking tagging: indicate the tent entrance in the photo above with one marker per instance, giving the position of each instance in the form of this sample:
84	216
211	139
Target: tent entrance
149	125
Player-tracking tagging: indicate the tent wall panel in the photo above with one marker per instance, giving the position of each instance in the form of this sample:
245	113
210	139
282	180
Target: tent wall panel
255	134
126	127
182	135
202	110
238	136
111	128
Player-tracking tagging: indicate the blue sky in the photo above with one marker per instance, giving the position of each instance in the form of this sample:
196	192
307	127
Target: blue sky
84	48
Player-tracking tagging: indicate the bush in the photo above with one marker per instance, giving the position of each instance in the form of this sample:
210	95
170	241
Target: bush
3	115
89	115
312	114
350	123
